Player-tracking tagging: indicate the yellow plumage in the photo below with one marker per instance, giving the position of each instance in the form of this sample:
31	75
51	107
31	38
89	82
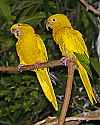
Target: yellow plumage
71	44
31	50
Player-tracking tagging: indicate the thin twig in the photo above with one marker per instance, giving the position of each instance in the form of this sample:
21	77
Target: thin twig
90	7
68	90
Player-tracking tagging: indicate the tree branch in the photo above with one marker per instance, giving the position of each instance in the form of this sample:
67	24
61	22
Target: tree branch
68	90
12	69
90	7
9	69
75	120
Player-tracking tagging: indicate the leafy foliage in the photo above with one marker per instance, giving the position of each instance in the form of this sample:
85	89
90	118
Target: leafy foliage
21	98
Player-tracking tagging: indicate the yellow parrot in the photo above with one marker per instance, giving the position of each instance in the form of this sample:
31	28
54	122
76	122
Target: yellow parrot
31	50
72	45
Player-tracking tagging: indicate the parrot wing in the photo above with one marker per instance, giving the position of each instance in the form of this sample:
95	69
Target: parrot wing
76	45
42	48
72	44
73	41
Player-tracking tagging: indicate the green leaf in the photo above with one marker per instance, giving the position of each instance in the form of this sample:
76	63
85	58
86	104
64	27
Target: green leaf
35	19
5	8
95	64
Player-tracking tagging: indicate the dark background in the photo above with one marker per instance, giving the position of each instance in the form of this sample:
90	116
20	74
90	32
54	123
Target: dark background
21	98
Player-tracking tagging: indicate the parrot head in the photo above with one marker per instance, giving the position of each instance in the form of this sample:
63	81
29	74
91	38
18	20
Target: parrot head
19	29
57	21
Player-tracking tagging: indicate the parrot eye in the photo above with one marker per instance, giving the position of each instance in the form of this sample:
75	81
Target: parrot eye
53	19
19	25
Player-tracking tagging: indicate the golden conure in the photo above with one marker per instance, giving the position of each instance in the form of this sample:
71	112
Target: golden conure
72	45
31	50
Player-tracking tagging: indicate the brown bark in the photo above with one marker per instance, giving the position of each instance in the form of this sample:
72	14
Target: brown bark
75	120
90	7
68	90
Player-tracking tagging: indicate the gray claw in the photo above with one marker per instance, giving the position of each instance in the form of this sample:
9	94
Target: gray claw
64	60
19	67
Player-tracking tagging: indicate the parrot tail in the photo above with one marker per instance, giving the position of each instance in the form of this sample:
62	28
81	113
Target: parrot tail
45	82
86	82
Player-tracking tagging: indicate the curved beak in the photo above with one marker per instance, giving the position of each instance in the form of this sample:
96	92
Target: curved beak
47	26
12	30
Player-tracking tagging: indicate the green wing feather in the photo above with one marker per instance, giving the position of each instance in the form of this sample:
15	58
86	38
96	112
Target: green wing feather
85	62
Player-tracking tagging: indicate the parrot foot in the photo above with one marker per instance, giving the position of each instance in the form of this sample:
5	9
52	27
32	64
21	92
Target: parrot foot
66	60
37	64
19	67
